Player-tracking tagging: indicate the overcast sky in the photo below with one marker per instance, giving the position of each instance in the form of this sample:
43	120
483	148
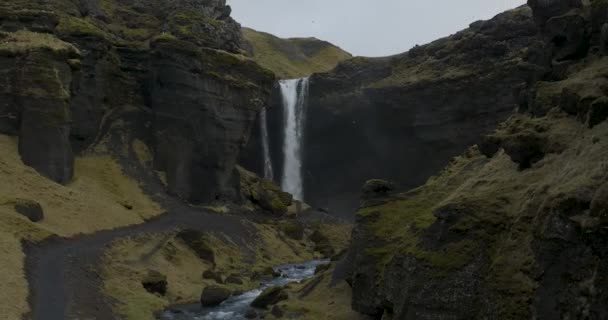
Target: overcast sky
366	27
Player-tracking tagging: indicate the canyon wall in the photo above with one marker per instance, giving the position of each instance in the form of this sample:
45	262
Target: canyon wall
515	227
80	74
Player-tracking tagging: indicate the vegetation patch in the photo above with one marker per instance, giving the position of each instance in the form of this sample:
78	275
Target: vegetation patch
293	58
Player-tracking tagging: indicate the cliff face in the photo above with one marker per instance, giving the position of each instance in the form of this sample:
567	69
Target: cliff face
168	73
403	117
516	227
292	58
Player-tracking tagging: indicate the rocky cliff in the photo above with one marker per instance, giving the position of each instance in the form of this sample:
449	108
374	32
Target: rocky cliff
403	117
78	74
514	228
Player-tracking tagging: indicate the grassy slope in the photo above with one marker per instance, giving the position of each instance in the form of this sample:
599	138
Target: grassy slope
94	201
128	261
287	58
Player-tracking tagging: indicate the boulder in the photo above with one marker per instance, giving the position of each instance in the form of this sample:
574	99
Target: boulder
155	283
251	314
30	209
270	296
197	241
377	186
214	295
277	312
598	111
322	267
294	230
233	279
211	275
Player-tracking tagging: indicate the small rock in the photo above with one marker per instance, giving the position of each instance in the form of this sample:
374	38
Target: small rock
322	267
214	295
277	312
30	209
377	186
598	112
251	314
270	296
155	283
211	275
234	279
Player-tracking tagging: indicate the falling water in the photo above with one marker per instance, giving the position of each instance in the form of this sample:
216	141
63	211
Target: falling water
294	94
268	171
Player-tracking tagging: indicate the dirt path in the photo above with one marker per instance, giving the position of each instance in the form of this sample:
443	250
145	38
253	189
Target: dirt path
63	274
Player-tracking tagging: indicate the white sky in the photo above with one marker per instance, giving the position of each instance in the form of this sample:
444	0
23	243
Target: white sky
366	27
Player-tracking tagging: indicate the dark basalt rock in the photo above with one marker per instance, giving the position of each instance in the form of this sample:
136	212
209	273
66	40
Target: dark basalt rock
234	279
251	314
214	295
269	297
277	312
598	112
30	209
211	275
155	283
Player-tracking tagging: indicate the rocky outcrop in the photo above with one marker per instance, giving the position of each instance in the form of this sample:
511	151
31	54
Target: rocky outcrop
87	73
269	297
214	295
512	228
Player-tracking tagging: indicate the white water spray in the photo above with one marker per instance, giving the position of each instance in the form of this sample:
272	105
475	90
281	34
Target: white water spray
268	171
294	94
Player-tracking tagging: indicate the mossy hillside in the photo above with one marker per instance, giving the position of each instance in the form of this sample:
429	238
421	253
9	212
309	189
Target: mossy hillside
293	58
503	209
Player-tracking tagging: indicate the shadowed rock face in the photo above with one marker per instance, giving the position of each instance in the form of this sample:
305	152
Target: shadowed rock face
165	72
402	118
512	228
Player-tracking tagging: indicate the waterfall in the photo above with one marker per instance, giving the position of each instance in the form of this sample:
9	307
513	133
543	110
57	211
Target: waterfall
268	171
294	94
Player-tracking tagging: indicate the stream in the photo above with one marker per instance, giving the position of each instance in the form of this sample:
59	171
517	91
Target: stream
235	307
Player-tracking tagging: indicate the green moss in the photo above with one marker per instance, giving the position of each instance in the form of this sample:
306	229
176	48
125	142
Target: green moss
25	41
289	58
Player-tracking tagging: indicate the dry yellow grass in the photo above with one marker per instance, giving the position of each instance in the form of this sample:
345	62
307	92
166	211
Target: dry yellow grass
287	58
24	41
95	201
